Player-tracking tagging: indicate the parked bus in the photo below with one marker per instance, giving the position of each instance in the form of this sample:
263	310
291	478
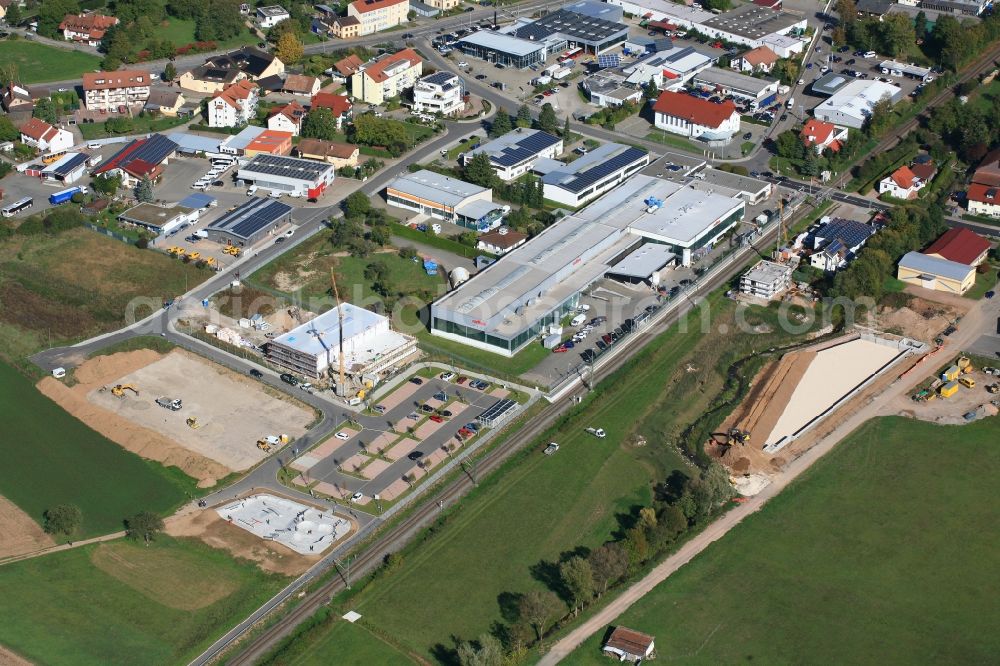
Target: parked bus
16	207
53	157
65	195
571	54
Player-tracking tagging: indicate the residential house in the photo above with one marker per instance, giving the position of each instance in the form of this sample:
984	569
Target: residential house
501	241
333	152
226	69
387	76
269	142
5	5
287	118
821	135
901	184
983	199
234	106
625	644
15	98
86	28
767	279
346	67
960	245
47	139
440	92
165	102
760	59
837	241
115	91
988	171
138	159
345	27
377	15
696	118
272	15
933	272
298	84
340	107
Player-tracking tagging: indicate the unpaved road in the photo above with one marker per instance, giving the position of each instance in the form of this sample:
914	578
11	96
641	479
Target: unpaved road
969	331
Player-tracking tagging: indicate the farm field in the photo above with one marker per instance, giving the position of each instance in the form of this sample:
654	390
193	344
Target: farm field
76	284
38	63
353	645
50	458
122	603
881	553
522	518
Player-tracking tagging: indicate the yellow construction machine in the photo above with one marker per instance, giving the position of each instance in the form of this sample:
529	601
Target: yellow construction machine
118	390
209	261
231	250
194	256
192	422
263	446
175	250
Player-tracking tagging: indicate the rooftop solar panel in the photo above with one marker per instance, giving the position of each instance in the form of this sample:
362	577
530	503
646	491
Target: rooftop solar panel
609	60
588	177
439	78
67	166
251	217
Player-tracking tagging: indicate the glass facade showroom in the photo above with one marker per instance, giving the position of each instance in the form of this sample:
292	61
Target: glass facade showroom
509	59
512	345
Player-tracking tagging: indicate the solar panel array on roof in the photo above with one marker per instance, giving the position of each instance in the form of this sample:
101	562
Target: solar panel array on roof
609	60
250	218
851	232
579	181
66	166
289	167
524	149
438	78
500	411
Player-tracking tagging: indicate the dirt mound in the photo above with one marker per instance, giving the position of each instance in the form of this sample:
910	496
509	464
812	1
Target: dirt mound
213	530
921	319
771	391
20	534
145	442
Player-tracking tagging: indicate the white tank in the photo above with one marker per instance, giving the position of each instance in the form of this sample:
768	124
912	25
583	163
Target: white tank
459	275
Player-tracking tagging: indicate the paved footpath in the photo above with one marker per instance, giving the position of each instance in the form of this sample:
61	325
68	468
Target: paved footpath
971	328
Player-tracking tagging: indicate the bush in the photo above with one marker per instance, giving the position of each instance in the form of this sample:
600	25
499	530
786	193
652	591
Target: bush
142	243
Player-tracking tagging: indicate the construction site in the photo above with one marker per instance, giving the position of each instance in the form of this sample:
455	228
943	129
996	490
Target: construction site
181	410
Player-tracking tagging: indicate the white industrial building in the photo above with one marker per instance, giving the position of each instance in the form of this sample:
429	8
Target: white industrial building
161	220
683	16
440	92
852	105
592	175
669	69
766	279
506	306
516	152
268	17
445	198
370	346
287	175
752	25
756	93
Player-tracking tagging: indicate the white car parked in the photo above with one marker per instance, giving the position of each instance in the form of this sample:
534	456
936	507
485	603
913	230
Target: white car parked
343	436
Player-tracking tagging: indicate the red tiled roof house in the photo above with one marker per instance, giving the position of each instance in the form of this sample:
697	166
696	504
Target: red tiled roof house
694	117
821	135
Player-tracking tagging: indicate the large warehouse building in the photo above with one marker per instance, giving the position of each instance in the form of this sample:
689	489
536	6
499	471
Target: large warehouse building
852	104
288	175
249	223
371	347
592	175
506	306
563	28
445	198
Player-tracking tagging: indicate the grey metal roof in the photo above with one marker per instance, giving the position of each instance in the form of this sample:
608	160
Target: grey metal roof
434	187
193	143
718	76
245	136
829	84
753	21
595	165
251	217
952	270
601	10
643	261
499	42
573	26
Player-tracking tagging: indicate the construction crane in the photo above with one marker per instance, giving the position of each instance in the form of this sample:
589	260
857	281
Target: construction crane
340	329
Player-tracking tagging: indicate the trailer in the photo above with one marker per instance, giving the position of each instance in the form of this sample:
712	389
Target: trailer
63	196
561	73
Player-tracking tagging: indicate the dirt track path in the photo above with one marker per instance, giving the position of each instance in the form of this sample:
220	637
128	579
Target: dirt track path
63	546
969	331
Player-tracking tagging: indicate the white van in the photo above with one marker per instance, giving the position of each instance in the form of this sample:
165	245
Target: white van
577	320
790	103
252	191
436	228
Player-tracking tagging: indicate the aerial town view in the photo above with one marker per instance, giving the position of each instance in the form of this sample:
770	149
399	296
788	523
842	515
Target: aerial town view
499	332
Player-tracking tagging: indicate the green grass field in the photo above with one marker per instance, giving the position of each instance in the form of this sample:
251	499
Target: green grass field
668	139
51	458
38	63
141	125
984	283
538	507
884	552
124	603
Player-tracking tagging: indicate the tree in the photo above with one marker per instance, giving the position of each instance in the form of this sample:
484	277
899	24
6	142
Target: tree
486	650
479	171
578	579
144	525
847	11
14	14
789	145
9	73
880	119
897	34
320	124
219	20
547	120
920	25
501	124
537	609
63	519
51	14
524	116
7	130
169	72
356	205
45	109
650	89
144	190
289	48
566	130
607	565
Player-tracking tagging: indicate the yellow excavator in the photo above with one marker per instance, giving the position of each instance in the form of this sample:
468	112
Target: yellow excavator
192	422
118	390
232	250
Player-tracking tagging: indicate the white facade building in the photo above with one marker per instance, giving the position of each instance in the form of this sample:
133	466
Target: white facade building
234	106
766	279
852	105
440	92
268	17
516	152
696	118
592	175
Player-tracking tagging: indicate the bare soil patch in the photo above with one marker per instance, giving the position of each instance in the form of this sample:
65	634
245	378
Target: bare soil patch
20	534
216	532
922	319
8	658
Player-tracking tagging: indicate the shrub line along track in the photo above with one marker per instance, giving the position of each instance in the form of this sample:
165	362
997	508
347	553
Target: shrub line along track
398	535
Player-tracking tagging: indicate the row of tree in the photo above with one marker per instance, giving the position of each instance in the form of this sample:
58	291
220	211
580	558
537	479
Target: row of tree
65	519
547	121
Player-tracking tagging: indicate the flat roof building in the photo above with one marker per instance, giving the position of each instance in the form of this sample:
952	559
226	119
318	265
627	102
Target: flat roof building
750	24
682	16
160	220
852	105
507	305
895	68
670	69
370	346
756	92
503	49
288	175
608	88
516	152
828	84
593	174
766	279
643	265
751	190
445	198
250	222
237	144
593	34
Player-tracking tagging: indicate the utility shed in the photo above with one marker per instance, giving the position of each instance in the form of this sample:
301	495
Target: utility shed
627	644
